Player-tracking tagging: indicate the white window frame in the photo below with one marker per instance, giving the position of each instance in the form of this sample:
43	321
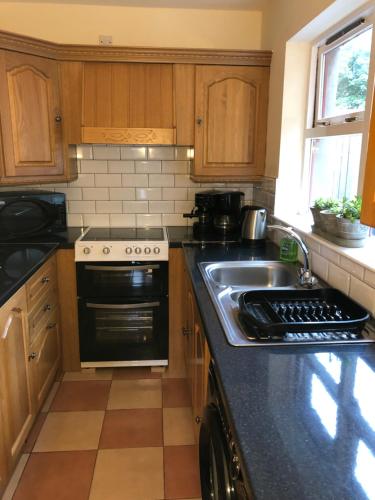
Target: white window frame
357	122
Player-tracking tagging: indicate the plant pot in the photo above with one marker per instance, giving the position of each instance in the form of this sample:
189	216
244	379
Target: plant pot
316	216
350	230
328	220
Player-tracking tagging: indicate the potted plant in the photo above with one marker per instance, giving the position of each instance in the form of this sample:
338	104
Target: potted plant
348	223
327	215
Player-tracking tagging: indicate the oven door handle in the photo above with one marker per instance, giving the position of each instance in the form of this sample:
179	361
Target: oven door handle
122	268
122	306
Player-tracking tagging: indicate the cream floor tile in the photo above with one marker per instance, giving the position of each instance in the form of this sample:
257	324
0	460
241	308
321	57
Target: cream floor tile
99	374
127	394
178	426
128	474
73	430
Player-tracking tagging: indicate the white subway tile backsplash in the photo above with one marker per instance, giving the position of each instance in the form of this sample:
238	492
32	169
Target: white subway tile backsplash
161	207
74	220
96	220
319	265
174	193
148	220
106	152
108	180
161	180
95	194
182	207
183	153
81	207
161	153
370	277
362	293
148	193
192	192
184	181
121	167
338	278
94	167
109	207
173	220
123	220
330	254
71	193
120	193
84	180
148	167
135	207
135	180
176	167
312	244
133	153
84	152
352	267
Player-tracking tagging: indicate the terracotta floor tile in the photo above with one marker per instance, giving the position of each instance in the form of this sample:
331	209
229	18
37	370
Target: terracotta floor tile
81	396
132	429
134	373
89	374
128	474
57	476
181	472
178	426
74	430
175	393
34	433
129	394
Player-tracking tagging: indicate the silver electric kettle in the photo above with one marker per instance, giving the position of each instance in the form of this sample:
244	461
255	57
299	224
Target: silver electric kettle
254	223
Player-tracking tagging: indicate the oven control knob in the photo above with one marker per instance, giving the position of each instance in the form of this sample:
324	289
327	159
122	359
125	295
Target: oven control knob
157	250
86	250
128	250
147	250
138	250
106	250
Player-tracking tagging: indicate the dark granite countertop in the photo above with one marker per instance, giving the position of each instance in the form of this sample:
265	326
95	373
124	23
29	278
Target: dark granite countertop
18	262
304	416
178	235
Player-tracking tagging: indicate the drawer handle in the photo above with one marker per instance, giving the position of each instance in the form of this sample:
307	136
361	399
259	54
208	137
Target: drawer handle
33	355
198	419
47	307
51	325
45	279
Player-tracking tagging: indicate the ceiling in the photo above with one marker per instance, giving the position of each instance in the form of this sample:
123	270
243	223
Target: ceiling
184	4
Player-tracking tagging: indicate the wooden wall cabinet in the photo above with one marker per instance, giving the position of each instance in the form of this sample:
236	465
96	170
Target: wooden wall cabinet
368	195
230	122
31	121
15	375
128	103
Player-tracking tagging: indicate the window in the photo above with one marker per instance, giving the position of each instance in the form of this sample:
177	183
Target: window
333	140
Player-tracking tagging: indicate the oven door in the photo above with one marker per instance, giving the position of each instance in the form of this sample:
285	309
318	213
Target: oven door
118	279
118	333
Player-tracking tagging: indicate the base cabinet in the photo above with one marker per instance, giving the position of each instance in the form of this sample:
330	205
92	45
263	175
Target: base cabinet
18	411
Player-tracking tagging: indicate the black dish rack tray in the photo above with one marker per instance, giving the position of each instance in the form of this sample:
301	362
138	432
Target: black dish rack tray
266	314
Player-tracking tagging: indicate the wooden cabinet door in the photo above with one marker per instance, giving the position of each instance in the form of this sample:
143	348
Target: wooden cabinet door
128	103
189	338
45	357
31	123
368	195
14	369
231	118
3	457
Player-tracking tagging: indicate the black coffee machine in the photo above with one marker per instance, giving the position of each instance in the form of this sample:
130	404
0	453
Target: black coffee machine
219	215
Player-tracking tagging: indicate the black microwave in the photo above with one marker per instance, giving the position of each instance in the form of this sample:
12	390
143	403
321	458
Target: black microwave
31	213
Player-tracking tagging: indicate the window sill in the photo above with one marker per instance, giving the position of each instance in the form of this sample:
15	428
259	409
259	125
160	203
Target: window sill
364	256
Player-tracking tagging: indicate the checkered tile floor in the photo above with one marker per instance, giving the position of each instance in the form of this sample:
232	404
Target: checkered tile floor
123	434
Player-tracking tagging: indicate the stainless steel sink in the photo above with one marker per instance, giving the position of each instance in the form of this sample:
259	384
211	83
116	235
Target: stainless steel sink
258	274
227	280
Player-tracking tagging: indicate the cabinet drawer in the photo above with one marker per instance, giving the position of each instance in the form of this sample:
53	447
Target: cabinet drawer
45	326
43	313
44	279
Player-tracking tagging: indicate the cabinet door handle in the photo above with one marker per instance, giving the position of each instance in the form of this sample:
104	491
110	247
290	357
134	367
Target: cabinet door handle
51	325
199	120
186	332
33	355
198	419
58	118
15	312
47	307
45	279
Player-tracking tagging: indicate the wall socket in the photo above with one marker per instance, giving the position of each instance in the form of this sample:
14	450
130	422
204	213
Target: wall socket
105	40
